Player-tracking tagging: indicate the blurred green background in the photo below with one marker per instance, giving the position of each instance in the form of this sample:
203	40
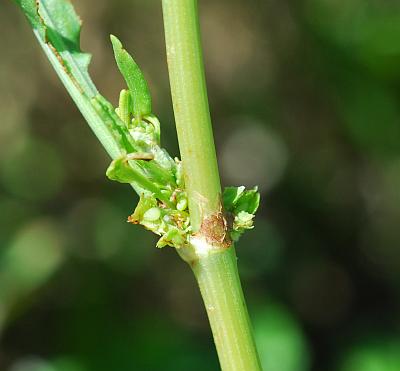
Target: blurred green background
305	102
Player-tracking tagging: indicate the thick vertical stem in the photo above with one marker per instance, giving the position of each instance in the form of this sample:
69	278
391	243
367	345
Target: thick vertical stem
219	282
192	115
213	263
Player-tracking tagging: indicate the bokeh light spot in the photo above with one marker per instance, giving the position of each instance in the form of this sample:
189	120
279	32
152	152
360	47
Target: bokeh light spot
280	340
253	155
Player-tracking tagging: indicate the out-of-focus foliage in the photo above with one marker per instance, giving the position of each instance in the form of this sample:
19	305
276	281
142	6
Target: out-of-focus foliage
373	353
282	344
305	99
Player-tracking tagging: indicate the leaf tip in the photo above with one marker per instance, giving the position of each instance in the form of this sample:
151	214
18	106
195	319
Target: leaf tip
116	43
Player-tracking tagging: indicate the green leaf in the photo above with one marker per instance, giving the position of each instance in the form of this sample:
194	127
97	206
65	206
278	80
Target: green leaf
230	196
63	28
29	7
57	29
114	124
125	107
237	199
124	171
134	78
242	205
248	201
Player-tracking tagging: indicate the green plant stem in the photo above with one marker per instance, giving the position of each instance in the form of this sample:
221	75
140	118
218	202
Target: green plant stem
94	120
218	278
192	114
214	264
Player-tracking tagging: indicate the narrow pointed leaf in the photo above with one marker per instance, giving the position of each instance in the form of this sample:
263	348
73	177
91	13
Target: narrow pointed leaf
141	99
122	171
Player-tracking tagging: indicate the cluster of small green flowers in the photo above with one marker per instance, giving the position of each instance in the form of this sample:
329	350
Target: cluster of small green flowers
156	176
